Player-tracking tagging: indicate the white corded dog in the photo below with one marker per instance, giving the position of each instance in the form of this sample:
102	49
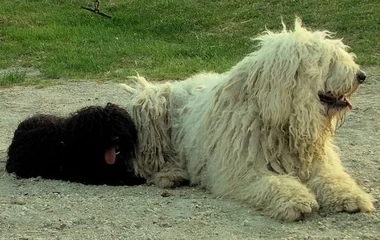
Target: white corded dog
260	133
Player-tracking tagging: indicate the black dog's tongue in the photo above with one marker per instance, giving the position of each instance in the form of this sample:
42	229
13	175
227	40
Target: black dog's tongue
110	155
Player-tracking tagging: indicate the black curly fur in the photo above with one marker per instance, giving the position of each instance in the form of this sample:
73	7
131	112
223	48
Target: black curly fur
73	148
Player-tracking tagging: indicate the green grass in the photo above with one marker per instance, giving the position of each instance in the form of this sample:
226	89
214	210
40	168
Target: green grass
165	39
12	78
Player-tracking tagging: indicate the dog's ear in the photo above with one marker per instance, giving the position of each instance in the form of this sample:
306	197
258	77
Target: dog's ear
280	82
282	77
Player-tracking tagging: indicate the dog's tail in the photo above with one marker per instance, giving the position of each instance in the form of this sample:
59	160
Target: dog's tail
141	83
127	88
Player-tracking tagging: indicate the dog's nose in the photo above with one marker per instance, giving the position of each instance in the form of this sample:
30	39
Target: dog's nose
361	76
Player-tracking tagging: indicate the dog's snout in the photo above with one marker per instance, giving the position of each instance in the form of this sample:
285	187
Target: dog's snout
361	76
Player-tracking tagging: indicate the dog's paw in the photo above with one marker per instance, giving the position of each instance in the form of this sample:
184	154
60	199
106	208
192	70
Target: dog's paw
170	179
351	202
295	210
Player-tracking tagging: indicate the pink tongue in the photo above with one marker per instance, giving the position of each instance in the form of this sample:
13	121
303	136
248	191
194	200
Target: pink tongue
110	156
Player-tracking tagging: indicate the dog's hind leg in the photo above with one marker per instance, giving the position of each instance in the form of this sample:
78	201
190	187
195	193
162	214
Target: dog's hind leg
170	176
37	147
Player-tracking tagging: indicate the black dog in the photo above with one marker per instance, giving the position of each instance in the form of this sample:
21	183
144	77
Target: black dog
95	145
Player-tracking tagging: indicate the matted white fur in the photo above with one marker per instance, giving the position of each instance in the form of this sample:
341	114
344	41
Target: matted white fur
258	133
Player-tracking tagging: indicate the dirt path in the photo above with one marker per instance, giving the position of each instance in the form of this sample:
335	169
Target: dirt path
43	209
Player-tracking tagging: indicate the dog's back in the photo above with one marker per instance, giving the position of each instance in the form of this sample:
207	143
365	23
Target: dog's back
34	148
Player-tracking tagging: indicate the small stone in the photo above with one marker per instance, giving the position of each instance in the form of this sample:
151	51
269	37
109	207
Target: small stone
246	223
321	226
164	224
18	201
62	226
165	194
323	214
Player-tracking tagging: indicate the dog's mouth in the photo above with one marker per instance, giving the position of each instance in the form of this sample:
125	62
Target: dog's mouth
111	153
335	100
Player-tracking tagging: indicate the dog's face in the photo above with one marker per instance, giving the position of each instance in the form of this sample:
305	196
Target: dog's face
102	135
341	81
300	77
298	82
123	135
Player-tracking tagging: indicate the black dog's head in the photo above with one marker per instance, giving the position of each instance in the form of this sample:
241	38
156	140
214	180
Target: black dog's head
99	145
101	135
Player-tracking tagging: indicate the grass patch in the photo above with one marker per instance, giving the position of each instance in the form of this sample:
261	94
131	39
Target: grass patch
165	39
12	78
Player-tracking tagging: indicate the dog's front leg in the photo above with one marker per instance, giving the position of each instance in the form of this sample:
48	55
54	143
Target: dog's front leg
280	196
335	189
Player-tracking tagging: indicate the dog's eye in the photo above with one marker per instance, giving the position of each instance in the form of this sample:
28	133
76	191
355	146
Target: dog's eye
115	139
